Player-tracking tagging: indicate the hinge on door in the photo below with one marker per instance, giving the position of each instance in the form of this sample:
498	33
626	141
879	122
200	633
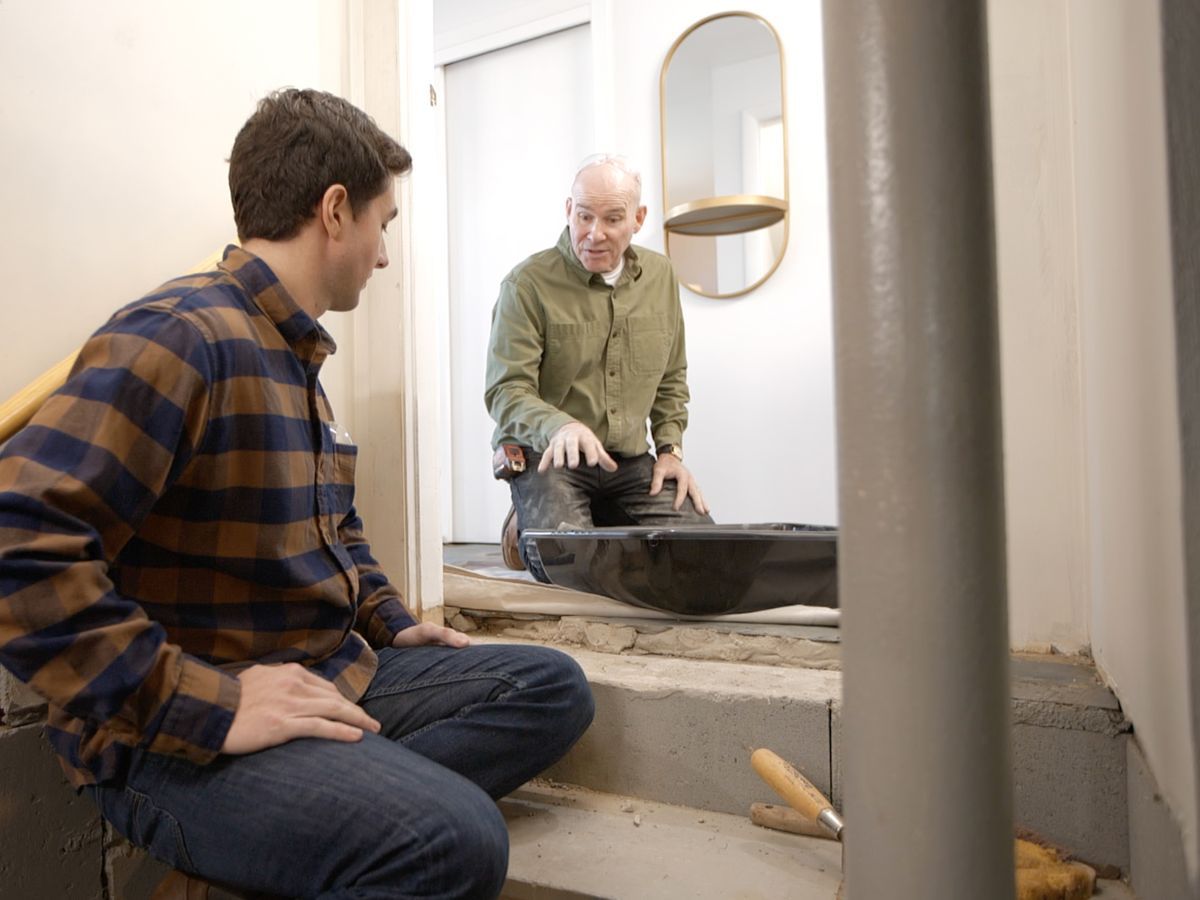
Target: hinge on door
432	96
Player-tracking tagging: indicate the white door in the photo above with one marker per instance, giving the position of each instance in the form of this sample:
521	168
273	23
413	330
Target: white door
518	120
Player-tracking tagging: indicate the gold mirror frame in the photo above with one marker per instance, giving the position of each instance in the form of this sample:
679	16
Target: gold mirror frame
730	214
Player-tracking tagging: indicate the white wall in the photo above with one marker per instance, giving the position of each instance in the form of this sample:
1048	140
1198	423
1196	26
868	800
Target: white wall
1092	465
1129	382
117	121
1033	176
760	367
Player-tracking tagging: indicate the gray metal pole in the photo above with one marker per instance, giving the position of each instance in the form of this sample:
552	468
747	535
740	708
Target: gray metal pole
928	780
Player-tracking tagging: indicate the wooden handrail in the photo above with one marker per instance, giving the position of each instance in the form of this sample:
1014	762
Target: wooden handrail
18	409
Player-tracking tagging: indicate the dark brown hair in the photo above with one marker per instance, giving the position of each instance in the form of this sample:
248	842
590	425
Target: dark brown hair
296	145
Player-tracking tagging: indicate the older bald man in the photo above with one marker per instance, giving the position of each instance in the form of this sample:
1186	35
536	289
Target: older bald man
587	347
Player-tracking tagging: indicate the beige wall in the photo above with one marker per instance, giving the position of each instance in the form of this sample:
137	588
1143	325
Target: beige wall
1093	472
118	119
1048	578
1129	384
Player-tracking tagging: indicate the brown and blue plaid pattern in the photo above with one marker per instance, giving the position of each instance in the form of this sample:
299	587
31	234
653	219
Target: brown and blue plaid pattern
180	509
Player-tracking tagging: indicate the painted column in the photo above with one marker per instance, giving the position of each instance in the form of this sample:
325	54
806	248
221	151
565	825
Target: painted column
928	779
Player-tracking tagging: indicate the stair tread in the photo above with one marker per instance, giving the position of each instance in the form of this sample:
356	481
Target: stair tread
573	842
570	843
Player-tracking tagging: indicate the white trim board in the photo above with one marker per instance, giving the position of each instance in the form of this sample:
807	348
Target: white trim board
470	40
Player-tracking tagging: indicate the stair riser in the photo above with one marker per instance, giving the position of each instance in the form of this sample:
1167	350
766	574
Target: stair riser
692	748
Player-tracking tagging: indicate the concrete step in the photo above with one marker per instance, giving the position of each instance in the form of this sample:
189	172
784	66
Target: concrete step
568	843
681	731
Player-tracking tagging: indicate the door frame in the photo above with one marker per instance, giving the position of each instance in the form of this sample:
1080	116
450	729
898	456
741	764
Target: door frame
390	71
597	15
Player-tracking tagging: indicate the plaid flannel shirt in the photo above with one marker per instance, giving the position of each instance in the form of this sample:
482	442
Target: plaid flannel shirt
180	509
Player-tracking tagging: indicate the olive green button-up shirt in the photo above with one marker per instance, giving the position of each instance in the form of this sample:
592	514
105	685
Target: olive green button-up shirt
565	346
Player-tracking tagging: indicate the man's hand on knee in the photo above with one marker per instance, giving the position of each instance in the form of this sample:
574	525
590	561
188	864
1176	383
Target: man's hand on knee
282	703
669	468
569	442
426	633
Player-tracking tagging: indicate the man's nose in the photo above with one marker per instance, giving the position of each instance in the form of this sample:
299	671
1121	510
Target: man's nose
596	232
382	262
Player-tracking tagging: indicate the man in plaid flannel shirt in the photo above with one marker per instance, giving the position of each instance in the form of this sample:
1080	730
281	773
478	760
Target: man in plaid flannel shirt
183	575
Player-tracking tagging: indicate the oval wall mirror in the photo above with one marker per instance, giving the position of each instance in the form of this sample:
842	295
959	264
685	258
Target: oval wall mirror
724	154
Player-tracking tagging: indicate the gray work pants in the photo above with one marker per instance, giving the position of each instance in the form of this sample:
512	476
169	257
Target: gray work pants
587	497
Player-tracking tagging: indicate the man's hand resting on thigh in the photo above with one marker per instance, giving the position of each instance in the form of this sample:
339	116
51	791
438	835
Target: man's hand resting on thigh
284	702
667	468
568	442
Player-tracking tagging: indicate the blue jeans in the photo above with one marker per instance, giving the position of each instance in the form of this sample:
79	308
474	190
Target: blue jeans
409	812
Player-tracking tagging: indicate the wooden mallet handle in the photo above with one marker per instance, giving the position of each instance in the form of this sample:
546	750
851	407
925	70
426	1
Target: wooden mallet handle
797	790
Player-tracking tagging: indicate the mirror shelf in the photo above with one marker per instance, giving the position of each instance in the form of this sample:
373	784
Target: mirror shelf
723	120
733	214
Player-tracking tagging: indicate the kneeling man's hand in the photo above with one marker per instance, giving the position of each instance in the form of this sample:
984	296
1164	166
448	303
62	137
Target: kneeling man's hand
568	442
669	468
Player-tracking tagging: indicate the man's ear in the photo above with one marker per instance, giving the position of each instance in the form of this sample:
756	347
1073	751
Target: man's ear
334	209
568	209
639	217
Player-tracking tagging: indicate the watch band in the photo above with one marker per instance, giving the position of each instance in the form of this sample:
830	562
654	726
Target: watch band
674	449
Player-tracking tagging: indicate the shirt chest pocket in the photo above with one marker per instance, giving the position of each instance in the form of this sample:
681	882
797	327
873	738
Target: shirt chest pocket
649	344
340	491
345	458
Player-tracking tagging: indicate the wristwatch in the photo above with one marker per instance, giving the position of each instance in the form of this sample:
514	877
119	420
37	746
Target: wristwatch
674	449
